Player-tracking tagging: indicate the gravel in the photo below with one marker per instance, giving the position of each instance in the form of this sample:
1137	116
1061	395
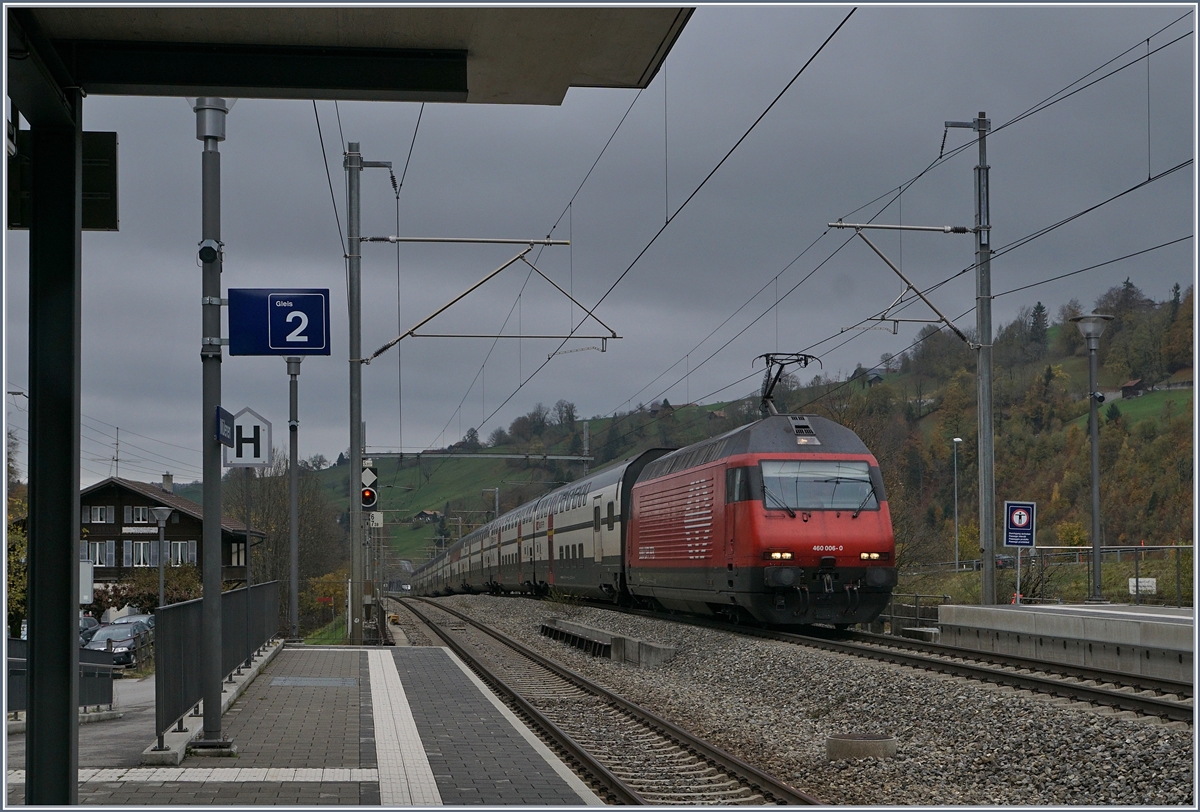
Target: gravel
959	742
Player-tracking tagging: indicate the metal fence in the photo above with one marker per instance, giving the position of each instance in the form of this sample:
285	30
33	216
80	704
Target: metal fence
95	677
249	618
908	610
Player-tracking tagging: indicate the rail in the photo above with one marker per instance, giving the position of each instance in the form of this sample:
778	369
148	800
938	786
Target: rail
767	784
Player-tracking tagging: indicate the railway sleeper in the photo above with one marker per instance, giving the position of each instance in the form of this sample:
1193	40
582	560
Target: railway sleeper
707	798
722	783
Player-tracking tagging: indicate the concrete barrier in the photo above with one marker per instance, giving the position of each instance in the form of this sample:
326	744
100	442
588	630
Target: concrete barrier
1151	641
859	745
605	644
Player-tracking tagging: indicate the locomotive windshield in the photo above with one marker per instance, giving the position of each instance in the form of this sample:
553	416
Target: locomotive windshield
828	485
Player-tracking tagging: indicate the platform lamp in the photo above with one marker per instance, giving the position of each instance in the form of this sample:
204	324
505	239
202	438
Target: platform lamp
161	514
1092	326
957	440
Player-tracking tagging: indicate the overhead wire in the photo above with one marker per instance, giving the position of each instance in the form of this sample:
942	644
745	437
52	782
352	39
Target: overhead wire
396	187
911	300
681	207
566	209
943	157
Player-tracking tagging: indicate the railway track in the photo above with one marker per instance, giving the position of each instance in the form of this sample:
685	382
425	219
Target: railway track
1150	696
629	755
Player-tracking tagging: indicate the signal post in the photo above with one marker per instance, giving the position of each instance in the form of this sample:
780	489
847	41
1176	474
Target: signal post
368	503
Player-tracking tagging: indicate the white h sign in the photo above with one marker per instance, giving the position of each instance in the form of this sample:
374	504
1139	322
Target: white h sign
251	441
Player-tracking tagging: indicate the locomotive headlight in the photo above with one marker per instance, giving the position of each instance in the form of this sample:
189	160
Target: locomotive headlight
777	555
869	556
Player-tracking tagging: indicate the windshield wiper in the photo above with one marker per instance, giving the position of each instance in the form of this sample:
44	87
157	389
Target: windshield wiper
863	503
782	503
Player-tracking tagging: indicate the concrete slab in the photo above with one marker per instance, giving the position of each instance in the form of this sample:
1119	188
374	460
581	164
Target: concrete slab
176	743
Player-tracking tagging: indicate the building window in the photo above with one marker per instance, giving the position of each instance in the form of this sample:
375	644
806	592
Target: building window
237	554
141	553
97	514
178	553
141	514
96	552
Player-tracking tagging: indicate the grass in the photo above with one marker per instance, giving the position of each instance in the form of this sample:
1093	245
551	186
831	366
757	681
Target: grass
331	634
1150	405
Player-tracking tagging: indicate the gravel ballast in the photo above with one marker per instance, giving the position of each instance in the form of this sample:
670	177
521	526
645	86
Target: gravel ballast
773	704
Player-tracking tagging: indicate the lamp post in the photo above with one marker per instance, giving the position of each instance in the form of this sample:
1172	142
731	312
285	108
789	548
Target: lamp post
161	514
1092	326
957	440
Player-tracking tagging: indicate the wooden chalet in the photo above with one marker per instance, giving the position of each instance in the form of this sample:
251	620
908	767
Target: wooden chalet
118	531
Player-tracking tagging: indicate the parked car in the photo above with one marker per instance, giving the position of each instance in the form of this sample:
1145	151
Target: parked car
87	627
1005	562
124	640
147	619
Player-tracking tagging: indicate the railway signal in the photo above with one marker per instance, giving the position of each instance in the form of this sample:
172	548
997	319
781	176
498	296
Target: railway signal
370	498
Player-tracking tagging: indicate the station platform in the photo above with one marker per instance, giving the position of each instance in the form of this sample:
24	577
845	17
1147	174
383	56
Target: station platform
1149	640
395	726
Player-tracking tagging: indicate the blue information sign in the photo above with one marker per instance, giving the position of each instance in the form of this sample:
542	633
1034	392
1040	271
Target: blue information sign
224	427
1020	523
270	321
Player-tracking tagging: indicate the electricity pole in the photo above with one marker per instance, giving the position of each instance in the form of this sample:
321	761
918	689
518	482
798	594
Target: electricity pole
983	326
354	164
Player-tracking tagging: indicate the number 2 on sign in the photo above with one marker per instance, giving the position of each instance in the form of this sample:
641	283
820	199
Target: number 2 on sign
295	335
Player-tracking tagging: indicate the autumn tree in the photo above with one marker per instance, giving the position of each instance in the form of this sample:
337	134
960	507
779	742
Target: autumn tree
1070	340
323	544
140	590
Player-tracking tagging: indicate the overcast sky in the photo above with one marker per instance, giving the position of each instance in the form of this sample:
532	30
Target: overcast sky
865	117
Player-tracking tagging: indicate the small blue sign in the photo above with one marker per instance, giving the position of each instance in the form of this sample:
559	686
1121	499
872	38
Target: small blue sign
224	427
267	321
1020	523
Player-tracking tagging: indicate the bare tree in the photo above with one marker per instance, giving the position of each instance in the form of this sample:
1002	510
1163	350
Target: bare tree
323	545
564	414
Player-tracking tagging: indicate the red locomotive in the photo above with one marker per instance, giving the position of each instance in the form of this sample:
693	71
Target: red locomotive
784	520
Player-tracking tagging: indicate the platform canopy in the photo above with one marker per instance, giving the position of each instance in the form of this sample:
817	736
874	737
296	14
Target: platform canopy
473	55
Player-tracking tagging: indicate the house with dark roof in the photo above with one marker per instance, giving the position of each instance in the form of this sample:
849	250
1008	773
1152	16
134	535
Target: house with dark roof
118	532
1133	389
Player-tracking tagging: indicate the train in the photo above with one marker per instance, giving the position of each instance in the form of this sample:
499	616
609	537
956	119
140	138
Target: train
784	521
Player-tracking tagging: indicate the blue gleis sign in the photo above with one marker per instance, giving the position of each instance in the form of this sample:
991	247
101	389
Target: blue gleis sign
270	321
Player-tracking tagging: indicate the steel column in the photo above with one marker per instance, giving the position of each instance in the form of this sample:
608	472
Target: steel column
293	369
210	128
52	749
1094	430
